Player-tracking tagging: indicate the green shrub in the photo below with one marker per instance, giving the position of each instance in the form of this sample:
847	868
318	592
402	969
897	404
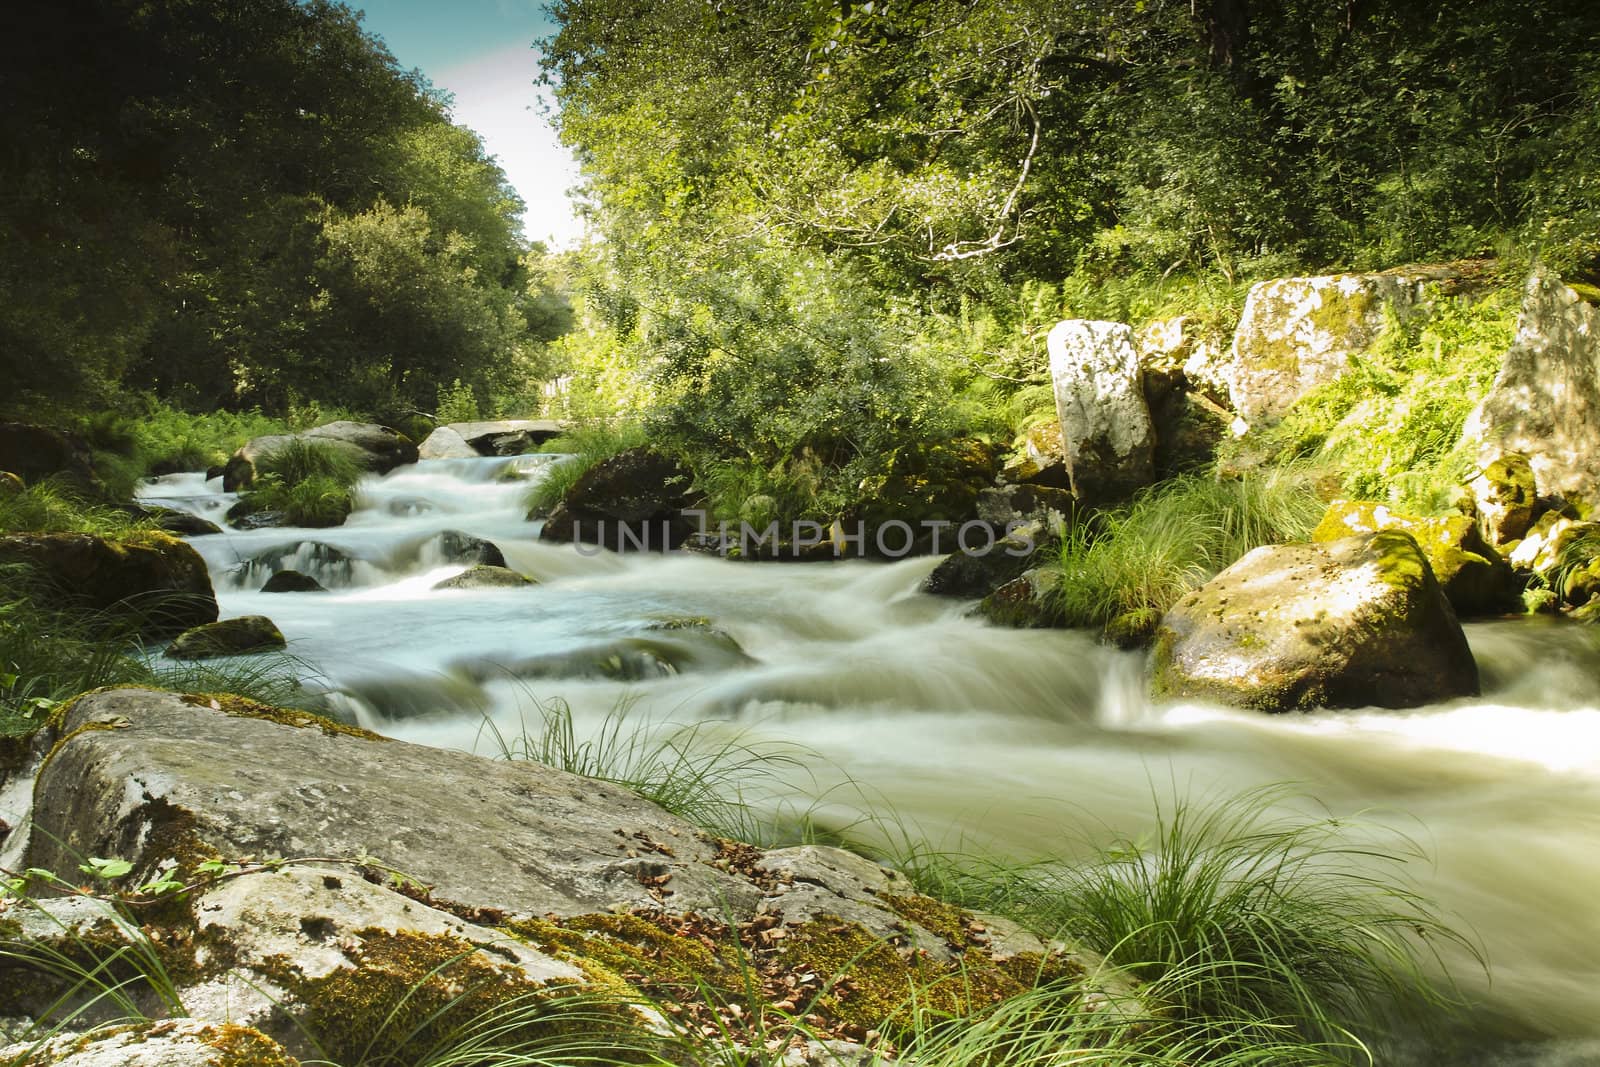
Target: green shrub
458	403
311	482
1176	536
55	505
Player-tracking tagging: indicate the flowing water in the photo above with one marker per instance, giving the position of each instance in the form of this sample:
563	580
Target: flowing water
1025	742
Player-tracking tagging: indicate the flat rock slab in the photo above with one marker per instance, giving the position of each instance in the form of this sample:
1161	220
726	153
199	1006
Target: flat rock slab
147	776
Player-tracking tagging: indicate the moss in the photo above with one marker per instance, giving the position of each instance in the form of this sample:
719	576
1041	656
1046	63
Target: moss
240	1046
935	916
244	708
632	954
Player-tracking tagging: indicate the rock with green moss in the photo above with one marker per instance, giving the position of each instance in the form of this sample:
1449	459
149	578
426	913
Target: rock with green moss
10	485
157	582
1545	401
1546	545
484	576
1473	576
1026	602
167	1043
1106	432
1356	622
227	637
1298	333
1038	457
379	449
1506	496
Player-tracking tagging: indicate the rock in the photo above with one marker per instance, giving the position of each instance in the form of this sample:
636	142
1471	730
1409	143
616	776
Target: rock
662	654
1105	423
1351	623
229	637
10	485
1545	401
182	523
292	582
153	579
1542	550
36	452
445	443
483	576
378	448
1298	333
634	501
453	546
1039	458
1473	576
977	574
326	564
1025	602
941	481
298	936
240	517
1505	496
168	1043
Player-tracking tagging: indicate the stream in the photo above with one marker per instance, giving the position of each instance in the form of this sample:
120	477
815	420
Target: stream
1024	743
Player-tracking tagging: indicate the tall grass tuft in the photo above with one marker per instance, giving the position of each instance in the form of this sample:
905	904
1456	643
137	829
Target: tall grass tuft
1175	537
312	483
694	770
582	447
55	505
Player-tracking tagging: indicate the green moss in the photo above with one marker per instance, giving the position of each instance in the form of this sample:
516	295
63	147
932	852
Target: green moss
935	916
244	708
240	1046
633	954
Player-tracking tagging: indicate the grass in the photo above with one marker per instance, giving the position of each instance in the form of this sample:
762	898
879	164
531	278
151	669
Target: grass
696	771
311	482
55	505
1137	562
583	446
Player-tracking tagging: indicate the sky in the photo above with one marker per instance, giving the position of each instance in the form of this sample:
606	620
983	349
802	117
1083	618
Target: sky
481	51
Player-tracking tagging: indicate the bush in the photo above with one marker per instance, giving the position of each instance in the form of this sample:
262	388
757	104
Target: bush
312	483
1174	538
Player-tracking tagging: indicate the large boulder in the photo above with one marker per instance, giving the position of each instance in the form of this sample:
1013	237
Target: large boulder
1298	333
497	437
34	452
168	1043
1505	494
157	581
379	449
634	500
1107	437
227	637
1473	576
1357	622
1545	402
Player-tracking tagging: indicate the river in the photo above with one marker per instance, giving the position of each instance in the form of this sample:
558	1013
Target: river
1021	742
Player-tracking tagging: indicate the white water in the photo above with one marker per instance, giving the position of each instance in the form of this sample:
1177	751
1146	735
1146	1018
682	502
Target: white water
1027	742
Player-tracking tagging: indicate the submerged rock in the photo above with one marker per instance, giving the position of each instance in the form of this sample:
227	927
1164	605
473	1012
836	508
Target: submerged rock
292	582
1473	576
153	579
1106	433
228	637
1352	623
483	576
1298	333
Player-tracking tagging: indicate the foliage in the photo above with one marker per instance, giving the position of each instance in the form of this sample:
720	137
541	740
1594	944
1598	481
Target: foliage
311	482
1391	425
55	505
457	404
1176	536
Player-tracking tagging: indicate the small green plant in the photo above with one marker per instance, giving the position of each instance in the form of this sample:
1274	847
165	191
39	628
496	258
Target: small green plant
457	403
55	505
311	482
1175	537
698	771
581	447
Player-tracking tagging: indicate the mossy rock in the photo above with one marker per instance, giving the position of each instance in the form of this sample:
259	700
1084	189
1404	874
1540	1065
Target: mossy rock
1024	603
1356	622
1506	496
229	637
484	576
10	485
155	581
1473	576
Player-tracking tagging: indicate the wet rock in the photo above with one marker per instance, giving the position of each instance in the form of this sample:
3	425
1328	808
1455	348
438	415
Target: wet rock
1545	401
1106	432
241	516
483	576
633	501
1505	496
453	546
977	574
290	581
326	564
1025	602
1351	623
1298	333
10	485
182	523
665	653
1473	576
228	637
154	580
378	448
36	452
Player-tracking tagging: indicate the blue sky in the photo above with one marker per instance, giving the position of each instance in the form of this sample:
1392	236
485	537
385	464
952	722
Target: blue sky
482	52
